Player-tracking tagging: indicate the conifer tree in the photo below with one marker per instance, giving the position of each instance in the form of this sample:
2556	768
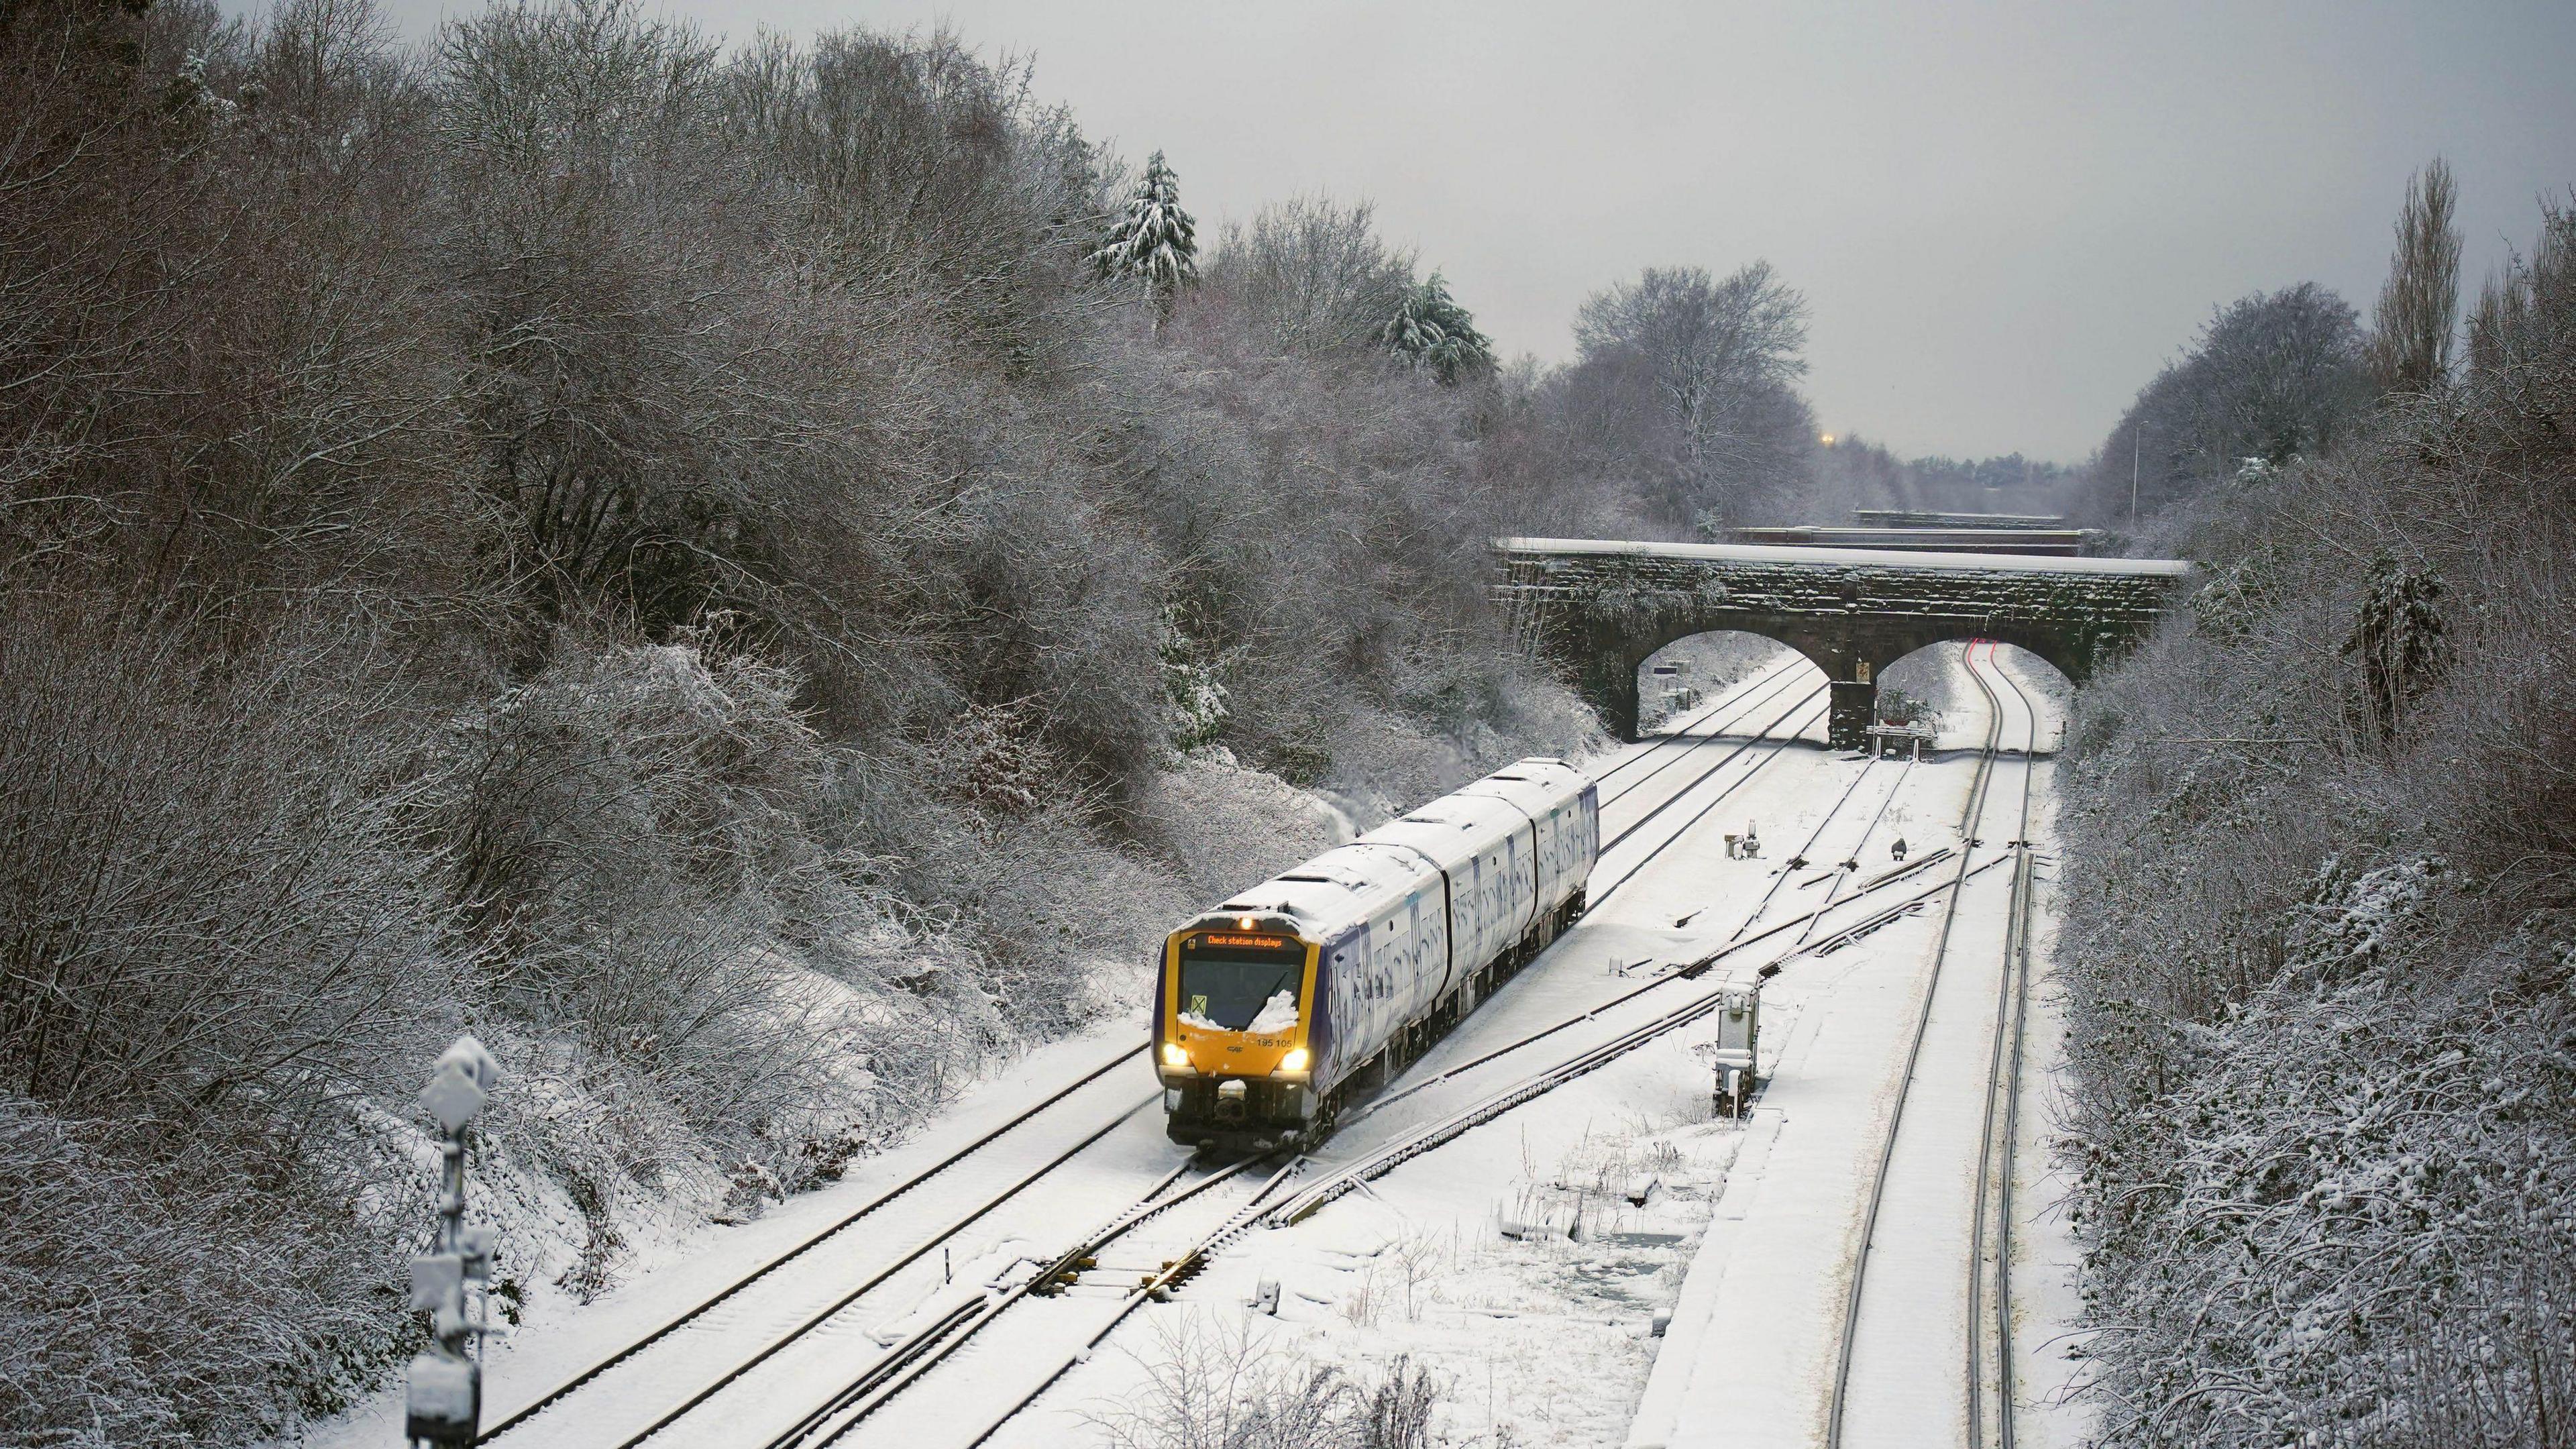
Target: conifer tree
1430	330
2399	641
1153	243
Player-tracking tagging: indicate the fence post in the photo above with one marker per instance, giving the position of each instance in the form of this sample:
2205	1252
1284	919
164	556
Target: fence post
443	1388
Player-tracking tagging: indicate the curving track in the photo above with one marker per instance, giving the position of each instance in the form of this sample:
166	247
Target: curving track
660	1379
1880	1394
787	1359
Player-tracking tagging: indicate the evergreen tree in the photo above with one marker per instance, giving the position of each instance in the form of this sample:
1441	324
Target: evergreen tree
2399	641
1153	243
1430	330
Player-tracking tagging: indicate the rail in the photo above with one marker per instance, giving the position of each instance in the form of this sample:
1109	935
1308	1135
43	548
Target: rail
581	1380
1971	822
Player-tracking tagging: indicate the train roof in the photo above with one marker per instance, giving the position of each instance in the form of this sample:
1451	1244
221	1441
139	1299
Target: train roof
1354	880
1536	784
1341	885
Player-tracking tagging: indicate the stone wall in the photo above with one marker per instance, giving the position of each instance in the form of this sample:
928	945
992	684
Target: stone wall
1601	608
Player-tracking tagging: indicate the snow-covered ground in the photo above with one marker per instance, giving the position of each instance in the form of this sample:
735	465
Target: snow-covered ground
1752	1355
1530	1262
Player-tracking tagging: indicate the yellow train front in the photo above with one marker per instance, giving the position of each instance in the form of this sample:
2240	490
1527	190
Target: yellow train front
1274	1009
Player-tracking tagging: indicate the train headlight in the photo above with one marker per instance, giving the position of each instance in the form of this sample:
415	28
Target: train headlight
1295	1061
1175	1055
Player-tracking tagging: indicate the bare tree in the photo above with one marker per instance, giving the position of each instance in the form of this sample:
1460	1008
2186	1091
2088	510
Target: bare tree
2419	307
2273	376
1311	273
1701	371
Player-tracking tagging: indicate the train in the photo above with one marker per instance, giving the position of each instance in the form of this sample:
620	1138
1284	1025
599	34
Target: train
1274	1010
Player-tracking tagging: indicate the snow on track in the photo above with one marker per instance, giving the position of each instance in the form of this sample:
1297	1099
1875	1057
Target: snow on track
1526	1261
1751	1355
1549	1333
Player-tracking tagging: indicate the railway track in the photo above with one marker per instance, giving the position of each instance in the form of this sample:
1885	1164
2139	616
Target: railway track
1678	744
1850	866
909	1362
1798	861
1158	1284
1803	707
1991	1203
1679	731
638	1354
942	1332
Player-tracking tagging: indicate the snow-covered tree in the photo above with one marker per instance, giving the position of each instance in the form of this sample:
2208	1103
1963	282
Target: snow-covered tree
2399	640
1430	330
2410	336
1153	243
1692	378
1194	708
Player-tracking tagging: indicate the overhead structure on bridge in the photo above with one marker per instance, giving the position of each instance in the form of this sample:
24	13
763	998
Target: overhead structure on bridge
1934	518
2055	542
1600	607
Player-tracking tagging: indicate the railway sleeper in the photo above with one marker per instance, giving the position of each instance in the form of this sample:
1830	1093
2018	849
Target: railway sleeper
1179	1273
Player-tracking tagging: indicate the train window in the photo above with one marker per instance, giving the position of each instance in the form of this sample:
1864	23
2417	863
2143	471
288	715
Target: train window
1227	980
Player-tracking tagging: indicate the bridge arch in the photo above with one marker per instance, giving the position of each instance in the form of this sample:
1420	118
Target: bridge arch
1738	655
1925	675
1600	608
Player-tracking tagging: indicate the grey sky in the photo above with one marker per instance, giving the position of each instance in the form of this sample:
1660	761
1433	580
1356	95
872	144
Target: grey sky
2004	217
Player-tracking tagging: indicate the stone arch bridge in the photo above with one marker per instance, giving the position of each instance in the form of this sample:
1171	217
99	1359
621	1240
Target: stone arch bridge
1600	608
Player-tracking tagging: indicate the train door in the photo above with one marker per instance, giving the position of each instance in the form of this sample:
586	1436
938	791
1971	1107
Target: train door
1336	968
1425	976
1543	829
1349	962
1436	956
1403	961
1472	934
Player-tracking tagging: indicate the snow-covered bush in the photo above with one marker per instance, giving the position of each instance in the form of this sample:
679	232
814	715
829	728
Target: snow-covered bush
216	932
653	553
1211	1385
2341	1173
1225	825
2321	937
212	1261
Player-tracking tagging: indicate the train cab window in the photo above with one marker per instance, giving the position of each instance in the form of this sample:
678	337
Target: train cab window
1231	981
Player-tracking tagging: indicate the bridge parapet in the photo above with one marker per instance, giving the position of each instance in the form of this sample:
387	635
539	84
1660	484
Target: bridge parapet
1937	518
1601	607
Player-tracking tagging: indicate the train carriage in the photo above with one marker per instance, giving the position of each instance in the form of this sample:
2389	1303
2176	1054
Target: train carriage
1272	1009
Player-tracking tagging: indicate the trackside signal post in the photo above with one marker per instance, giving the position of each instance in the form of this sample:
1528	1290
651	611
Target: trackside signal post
443	1389
1734	1056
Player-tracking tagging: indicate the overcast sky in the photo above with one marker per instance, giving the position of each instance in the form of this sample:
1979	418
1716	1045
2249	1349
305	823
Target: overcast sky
2004	218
